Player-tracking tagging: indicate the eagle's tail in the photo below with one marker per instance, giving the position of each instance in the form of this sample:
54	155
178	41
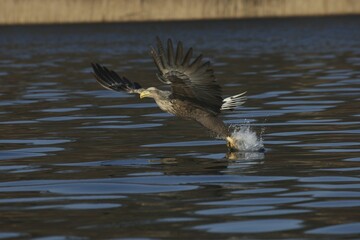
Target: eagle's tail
230	103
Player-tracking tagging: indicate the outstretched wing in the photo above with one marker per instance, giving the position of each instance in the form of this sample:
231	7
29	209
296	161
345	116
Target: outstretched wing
193	81
112	81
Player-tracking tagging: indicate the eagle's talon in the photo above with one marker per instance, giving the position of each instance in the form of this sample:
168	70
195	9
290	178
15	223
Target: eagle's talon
231	144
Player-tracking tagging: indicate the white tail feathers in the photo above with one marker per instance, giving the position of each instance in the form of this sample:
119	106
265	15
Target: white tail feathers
230	103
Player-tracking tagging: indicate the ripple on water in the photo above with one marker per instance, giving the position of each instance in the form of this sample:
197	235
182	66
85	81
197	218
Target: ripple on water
177	219
233	210
335	179
302	102
34	141
27	152
354	159
80	117
332	186
123	162
330	144
259	201
97	187
270	94
252	226
18	122
324	194
77	206
61	110
8	235
328	90
10	155
104	94
186	144
337	150
16	102
260	190
59	237
48	96
331	204
300	133
132	185
60	198
274	212
129	126
20	168
351	169
340	229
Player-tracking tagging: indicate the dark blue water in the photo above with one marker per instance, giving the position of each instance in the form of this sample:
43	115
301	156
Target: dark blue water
81	162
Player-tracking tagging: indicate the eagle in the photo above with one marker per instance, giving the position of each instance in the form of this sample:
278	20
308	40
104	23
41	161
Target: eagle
195	92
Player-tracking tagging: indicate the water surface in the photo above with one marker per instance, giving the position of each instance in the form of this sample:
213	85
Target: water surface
81	162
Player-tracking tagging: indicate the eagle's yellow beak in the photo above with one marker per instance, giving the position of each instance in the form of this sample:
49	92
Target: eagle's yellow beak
144	94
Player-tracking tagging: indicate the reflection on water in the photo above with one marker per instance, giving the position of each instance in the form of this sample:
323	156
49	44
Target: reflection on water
124	169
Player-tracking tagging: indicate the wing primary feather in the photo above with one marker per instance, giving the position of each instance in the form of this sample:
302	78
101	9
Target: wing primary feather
102	82
156	59
170	53
101	73
204	67
179	53
187	58
196	63
162	53
126	81
107	75
116	78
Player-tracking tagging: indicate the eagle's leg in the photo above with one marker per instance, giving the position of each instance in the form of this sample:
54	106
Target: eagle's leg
214	124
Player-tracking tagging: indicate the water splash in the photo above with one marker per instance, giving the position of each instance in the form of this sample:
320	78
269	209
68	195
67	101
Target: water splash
247	139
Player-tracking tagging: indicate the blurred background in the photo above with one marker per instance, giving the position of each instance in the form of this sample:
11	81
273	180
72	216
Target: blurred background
76	11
